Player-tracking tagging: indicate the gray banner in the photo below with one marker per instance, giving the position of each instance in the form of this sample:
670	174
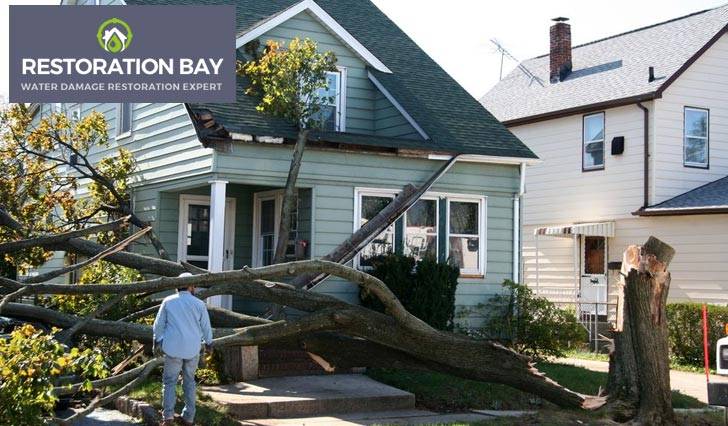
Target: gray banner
122	54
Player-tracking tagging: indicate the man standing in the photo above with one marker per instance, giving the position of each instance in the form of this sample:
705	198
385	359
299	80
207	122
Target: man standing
181	325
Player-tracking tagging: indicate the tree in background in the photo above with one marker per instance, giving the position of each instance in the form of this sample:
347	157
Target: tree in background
289	81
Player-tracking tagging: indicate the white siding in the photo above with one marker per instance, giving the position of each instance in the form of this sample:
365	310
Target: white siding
700	267
704	84
558	191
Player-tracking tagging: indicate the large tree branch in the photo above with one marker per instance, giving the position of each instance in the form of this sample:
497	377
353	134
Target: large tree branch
47	240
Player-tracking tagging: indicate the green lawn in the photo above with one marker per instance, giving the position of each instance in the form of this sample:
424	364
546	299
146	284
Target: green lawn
442	392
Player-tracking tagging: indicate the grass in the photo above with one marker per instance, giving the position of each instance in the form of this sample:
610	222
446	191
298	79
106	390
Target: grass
208	412
442	392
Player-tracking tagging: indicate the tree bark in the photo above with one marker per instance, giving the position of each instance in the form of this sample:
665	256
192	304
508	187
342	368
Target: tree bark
289	196
639	379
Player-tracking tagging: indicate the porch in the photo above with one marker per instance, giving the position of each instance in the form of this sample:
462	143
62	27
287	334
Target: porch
225	225
591	289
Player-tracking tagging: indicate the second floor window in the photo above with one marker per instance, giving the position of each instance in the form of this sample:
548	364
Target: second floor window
331	114
695	138
123	119
593	142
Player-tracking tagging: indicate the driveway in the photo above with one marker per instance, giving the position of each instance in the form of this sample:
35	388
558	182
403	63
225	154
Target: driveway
692	384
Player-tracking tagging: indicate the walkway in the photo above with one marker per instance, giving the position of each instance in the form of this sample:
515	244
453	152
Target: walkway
691	384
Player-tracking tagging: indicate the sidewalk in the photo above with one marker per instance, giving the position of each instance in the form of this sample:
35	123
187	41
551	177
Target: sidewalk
691	384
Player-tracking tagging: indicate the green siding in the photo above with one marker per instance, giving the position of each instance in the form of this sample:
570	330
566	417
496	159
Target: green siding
334	175
367	110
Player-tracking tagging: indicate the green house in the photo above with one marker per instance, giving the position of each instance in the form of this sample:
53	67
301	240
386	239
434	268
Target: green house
211	175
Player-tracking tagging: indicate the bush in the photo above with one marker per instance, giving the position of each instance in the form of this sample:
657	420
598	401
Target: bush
425	288
530	325
685	331
30	362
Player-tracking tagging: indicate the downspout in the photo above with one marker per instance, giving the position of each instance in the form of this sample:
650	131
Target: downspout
646	155
517	225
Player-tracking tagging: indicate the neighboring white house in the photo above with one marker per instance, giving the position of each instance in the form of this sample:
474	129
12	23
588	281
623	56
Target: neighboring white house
632	131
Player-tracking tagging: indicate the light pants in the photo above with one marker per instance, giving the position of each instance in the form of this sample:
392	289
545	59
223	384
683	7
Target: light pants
172	368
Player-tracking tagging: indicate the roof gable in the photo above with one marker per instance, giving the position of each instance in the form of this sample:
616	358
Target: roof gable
324	18
608	72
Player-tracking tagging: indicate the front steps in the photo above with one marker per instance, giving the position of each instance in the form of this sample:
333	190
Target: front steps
308	396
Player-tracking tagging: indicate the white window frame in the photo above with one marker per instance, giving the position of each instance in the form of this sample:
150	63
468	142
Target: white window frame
76	112
584	142
371	192
185	200
482	233
437	224
687	163
119	112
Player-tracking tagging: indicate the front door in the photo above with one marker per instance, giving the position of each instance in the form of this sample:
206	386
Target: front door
593	289
193	244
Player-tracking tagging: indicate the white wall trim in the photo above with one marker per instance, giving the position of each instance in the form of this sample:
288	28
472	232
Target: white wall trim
490	159
325	19
397	105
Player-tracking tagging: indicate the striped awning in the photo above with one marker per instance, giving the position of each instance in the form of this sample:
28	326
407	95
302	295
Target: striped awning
596	229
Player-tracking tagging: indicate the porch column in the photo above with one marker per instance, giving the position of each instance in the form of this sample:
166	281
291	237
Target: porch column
217	238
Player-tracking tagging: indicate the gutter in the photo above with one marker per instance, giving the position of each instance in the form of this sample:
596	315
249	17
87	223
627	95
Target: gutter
646	156
517	215
682	211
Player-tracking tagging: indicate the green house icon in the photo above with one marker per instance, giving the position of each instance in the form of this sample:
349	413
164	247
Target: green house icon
114	35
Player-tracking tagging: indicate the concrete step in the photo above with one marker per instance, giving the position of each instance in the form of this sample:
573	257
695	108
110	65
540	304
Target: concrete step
306	396
283	362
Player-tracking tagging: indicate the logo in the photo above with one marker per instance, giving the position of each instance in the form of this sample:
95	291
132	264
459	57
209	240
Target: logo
114	35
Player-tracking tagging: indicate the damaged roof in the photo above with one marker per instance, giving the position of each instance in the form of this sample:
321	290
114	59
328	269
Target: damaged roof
454	121
609	71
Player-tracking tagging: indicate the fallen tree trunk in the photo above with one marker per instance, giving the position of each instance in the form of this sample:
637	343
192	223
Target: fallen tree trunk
639	373
397	330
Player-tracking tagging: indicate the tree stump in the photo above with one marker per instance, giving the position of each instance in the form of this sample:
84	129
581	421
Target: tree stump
639	364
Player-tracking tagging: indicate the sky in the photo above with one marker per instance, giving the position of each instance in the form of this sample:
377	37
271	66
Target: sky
457	33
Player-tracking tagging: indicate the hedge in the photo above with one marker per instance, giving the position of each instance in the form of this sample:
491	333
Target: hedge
425	288
685	327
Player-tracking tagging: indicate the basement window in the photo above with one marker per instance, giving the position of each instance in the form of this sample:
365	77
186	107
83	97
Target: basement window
593	142
696	137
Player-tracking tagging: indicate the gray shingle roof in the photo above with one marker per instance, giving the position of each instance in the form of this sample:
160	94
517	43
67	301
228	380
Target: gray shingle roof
713	195
454	120
606	70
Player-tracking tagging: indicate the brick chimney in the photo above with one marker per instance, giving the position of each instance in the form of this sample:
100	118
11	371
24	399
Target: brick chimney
560	54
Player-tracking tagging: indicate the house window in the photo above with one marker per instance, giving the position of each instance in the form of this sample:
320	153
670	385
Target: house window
466	235
123	119
420	239
370	204
593	142
331	115
695	138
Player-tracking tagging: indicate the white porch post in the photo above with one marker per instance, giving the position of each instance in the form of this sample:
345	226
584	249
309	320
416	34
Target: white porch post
217	237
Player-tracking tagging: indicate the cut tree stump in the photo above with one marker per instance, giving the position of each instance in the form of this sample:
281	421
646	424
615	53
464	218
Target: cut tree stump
639	364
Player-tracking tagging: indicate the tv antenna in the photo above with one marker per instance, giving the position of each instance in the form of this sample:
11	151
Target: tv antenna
506	54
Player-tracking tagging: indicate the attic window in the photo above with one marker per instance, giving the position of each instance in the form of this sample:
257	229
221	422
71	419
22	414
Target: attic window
332	115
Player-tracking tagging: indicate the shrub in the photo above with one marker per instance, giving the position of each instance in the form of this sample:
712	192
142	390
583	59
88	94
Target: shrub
30	362
530	325
425	288
685	331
